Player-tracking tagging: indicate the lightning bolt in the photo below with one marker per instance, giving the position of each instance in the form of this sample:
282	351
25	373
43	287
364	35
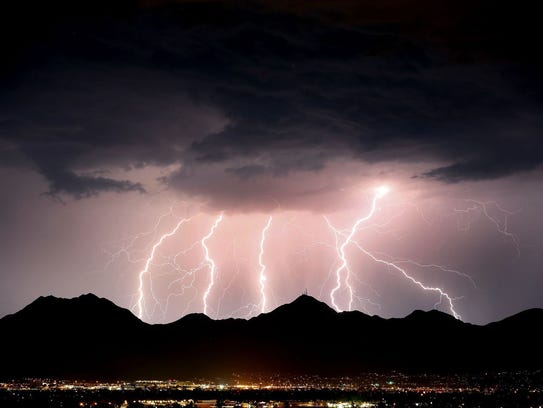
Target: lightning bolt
344	266
209	261
348	239
436	266
185	266
502	226
441	292
148	262
262	274
128	243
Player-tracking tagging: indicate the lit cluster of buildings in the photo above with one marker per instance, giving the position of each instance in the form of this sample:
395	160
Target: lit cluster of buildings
390	382
370	390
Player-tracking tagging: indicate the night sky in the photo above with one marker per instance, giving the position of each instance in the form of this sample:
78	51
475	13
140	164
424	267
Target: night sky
120	118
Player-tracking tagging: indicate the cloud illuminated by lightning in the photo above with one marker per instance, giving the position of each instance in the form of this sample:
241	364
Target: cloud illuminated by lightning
210	262
262	274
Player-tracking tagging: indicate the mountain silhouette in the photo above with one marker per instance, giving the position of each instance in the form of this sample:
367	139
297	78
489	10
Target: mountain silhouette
91	338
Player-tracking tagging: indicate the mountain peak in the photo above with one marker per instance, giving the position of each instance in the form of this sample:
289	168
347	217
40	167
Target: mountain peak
529	317
303	308
307	304
305	299
432	317
78	310
89	296
192	318
426	313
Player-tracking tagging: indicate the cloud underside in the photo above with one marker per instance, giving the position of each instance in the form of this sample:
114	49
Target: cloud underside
261	95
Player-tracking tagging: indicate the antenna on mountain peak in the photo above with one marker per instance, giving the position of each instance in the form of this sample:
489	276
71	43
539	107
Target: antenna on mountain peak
305	291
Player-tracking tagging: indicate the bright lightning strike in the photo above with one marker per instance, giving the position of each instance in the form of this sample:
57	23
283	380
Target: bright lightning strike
441	292
210	262
181	269
262	274
380	192
348	239
436	266
148	262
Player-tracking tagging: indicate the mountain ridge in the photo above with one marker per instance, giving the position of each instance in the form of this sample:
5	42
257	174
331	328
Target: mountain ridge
302	299
91	337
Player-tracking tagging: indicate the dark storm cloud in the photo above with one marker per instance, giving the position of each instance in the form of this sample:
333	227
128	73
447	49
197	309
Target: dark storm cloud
86	186
73	121
269	91
505	159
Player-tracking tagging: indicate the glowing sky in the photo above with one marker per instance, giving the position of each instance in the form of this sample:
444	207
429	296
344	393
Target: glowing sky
116	125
